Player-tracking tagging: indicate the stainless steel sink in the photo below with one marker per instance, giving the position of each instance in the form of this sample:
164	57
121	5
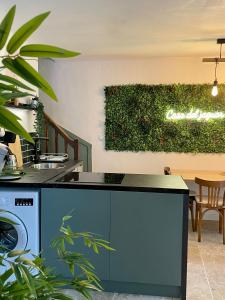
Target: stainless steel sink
47	166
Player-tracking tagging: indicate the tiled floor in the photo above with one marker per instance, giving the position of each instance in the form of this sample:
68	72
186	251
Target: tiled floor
206	265
206	269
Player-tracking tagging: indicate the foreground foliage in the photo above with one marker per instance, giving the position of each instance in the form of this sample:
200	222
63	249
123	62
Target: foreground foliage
33	280
13	58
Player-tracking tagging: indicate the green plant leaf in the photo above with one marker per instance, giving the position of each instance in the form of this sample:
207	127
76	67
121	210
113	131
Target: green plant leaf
14	253
6	25
66	218
9	96
2	100
8	87
21	68
6	220
9	121
14	82
39	50
28	279
5	276
16	271
23	33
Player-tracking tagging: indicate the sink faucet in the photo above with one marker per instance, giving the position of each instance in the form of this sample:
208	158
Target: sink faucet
37	151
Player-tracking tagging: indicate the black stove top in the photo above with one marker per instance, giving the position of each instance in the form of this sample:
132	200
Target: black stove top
86	177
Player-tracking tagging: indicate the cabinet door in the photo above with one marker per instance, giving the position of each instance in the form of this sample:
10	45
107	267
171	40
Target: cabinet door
90	213
146	231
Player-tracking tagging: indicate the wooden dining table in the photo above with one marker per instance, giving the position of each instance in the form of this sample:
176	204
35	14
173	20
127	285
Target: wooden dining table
204	174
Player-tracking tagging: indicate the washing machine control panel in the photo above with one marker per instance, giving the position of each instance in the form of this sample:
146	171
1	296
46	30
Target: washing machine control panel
24	202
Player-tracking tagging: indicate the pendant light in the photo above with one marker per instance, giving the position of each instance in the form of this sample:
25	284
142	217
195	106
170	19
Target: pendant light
216	60
215	83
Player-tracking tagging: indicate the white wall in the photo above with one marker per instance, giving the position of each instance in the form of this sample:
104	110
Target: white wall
27	117
79	84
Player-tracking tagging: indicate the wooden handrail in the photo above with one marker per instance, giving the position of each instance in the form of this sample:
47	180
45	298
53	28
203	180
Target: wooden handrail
59	131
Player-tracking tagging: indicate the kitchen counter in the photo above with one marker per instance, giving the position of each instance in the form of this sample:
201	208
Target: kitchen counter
130	182
34	178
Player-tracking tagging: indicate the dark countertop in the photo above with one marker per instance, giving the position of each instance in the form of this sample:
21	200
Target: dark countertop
37	178
131	182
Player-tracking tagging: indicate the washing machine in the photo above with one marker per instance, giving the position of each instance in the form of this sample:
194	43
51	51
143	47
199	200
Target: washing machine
21	206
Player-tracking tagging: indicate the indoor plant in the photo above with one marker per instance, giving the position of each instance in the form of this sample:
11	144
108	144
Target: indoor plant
34	281
13	58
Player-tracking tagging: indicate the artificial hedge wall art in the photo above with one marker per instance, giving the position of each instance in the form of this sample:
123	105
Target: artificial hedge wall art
169	118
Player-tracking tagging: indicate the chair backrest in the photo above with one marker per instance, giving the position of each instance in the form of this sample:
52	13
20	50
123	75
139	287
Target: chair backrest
214	190
167	171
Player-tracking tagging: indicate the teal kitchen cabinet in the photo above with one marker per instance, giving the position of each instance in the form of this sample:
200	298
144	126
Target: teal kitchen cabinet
90	213
146	231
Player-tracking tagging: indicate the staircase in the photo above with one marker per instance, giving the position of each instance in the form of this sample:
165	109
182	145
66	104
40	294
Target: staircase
63	141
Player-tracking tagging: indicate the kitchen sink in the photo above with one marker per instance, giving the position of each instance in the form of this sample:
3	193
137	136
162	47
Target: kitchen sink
45	166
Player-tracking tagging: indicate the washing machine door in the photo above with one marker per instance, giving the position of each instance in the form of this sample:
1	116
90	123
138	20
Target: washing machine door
12	236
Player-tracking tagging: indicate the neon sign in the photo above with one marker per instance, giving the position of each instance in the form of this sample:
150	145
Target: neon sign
196	114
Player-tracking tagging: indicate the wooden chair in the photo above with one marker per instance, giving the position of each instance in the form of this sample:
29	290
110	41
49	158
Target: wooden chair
191	201
214	200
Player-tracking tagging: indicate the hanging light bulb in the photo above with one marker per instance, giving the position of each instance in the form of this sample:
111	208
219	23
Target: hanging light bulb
215	88
215	83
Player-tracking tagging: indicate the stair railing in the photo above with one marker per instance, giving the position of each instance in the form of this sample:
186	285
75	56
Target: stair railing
58	131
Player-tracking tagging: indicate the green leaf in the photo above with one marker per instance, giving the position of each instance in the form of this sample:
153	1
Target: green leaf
26	261
28	279
69	240
66	218
21	68
7	87
16	271
2	100
9	121
6	25
14	253
24	32
39	50
5	276
95	248
8	96
6	220
14	82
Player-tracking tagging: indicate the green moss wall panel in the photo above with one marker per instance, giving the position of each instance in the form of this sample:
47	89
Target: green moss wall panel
136	118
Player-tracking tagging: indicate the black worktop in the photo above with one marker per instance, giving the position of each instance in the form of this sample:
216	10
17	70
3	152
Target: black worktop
133	182
37	178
